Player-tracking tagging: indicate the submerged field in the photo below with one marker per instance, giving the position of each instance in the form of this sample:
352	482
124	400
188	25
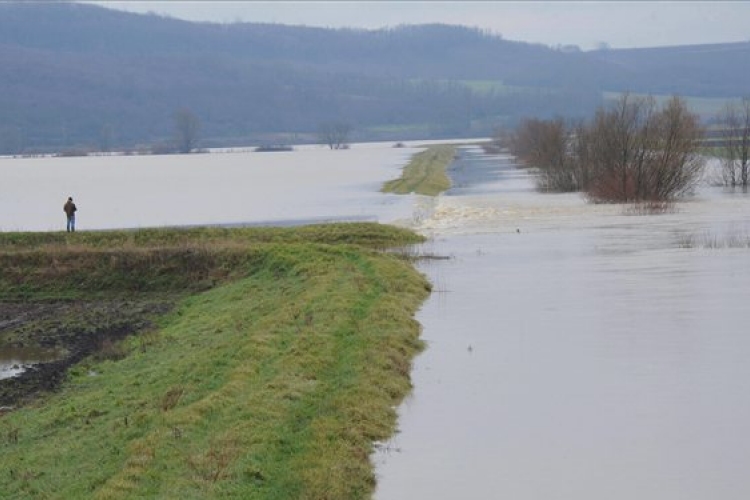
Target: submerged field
241	363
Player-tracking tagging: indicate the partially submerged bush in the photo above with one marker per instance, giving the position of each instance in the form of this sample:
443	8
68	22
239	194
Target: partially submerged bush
632	152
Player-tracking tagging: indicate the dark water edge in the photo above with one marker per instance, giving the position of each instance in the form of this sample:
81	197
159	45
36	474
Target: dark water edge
72	330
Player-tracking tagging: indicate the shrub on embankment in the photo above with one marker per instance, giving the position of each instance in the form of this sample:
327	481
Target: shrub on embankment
273	384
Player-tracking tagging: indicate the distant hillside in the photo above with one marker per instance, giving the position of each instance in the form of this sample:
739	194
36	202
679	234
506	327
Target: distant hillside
718	70
80	76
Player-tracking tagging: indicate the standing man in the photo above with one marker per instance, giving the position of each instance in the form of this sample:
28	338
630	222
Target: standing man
70	210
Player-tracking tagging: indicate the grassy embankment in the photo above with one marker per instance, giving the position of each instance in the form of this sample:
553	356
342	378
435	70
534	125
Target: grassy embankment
425	173
271	378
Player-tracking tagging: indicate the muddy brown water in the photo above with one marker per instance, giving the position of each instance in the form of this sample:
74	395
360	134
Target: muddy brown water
578	351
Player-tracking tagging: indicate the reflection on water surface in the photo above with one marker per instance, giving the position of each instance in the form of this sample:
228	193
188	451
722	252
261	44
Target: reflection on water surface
14	360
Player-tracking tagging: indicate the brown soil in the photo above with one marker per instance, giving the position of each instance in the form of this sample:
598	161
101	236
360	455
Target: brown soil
79	329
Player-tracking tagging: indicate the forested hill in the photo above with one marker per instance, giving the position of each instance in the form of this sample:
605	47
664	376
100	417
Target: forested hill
81	76
718	70
426	51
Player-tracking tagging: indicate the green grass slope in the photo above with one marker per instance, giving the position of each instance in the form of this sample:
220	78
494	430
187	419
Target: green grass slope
272	384
425	173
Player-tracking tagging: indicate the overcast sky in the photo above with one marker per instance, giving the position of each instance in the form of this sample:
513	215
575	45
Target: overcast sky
583	23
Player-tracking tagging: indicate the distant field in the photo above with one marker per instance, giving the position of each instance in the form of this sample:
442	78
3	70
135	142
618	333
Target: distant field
485	86
498	87
401	128
706	107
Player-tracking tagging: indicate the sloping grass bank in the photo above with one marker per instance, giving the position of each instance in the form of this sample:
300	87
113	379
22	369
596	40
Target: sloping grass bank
425	173
272	384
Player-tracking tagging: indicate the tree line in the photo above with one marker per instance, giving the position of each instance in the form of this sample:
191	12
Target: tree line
79	77
632	151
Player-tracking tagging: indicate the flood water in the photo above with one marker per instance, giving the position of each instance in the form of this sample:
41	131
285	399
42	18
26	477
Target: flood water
14	360
311	183
575	351
578	351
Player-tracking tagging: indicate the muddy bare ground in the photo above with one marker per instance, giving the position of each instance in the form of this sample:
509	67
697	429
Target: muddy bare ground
76	328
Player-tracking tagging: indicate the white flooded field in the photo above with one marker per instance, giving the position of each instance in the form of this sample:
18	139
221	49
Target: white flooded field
220	188
575	351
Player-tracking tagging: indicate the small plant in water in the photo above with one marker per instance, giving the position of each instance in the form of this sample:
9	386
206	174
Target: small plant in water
713	241
649	208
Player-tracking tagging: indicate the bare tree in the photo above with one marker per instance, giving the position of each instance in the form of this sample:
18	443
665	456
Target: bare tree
335	135
552	146
675	161
581	149
631	152
553	157
619	144
735	121
187	126
644	154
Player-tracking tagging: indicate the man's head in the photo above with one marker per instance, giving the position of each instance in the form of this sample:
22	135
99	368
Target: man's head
70	198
